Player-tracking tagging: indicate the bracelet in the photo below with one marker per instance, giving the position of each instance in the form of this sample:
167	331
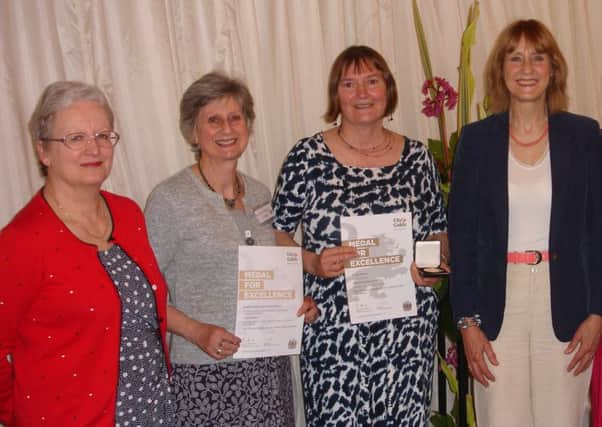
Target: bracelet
468	321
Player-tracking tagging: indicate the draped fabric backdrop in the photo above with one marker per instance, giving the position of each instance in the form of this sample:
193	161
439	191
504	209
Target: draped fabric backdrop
144	53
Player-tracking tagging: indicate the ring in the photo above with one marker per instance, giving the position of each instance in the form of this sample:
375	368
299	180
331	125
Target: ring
219	350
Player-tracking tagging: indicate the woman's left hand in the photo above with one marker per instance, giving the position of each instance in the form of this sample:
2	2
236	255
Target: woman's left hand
586	341
309	310
425	281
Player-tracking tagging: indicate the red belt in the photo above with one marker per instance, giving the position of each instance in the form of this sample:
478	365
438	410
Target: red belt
528	257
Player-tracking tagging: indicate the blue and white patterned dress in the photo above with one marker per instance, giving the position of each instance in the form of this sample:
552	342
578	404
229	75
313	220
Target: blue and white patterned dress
376	373
143	394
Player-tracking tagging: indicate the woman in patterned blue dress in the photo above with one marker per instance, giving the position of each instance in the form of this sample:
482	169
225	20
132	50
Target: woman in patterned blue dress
376	373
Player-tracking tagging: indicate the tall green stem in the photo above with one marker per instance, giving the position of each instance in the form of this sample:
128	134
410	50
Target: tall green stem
444	144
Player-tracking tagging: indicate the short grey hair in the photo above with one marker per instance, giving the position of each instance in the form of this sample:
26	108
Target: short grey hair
213	86
56	97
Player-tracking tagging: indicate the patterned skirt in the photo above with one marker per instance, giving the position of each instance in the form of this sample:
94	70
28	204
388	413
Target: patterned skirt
255	392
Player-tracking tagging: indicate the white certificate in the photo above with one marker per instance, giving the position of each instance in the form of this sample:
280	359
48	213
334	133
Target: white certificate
379	283
270	291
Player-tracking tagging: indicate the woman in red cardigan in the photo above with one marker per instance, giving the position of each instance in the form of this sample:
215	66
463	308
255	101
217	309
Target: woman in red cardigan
82	302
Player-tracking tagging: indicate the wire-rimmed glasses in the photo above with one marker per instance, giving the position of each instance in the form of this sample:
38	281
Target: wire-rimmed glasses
78	140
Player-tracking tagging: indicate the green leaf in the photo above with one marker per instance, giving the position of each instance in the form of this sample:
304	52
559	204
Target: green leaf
455	412
453	141
436	148
471	419
441	289
422	45
483	108
442	420
449	374
481	113
466	82
445	188
470	413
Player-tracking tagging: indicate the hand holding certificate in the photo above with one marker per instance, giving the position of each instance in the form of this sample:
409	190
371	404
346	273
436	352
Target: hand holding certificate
270	290
379	283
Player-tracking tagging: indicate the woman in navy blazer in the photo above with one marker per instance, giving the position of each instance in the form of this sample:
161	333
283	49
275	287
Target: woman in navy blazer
525	218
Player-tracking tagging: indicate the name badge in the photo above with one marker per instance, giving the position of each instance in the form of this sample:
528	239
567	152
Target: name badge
263	213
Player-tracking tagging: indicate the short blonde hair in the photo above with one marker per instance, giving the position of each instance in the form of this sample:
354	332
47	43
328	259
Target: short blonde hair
540	37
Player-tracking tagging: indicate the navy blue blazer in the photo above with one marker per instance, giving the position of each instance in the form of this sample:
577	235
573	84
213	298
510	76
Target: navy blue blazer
478	222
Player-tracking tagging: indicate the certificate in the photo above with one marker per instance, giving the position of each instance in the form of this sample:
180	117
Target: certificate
379	283
270	291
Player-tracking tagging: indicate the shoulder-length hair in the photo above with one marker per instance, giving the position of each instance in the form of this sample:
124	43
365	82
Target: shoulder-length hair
540	37
358	57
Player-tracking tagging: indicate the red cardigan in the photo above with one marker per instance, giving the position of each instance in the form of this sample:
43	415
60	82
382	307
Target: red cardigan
61	317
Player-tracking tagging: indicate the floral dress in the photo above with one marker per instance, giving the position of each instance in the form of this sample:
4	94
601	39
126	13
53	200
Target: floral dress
375	373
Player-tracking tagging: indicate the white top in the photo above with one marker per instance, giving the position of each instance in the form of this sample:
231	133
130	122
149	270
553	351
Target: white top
529	203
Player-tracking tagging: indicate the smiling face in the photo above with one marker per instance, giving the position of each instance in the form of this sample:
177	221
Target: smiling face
527	73
221	130
362	94
89	166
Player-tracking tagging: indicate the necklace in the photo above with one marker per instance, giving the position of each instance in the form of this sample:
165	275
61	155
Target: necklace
69	219
530	143
374	151
237	188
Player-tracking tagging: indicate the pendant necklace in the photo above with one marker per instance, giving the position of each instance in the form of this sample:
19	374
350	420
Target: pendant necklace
227	201
68	218
374	151
530	143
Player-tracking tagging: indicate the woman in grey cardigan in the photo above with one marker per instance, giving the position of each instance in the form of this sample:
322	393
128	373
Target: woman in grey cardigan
196	221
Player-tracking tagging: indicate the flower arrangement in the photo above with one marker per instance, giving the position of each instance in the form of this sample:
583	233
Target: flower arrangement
439	96
445	95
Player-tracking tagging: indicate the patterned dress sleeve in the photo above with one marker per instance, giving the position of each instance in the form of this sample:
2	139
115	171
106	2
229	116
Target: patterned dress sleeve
434	207
289	198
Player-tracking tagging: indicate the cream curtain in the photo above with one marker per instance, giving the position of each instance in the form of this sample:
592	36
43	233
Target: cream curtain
144	53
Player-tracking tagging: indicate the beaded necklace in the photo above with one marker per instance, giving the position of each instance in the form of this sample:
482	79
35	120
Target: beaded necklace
227	201
530	143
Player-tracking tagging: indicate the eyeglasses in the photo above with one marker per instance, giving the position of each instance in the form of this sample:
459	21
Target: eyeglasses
78	140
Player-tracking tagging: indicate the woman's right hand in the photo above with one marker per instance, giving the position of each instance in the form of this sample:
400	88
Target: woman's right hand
217	342
476	345
331	261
